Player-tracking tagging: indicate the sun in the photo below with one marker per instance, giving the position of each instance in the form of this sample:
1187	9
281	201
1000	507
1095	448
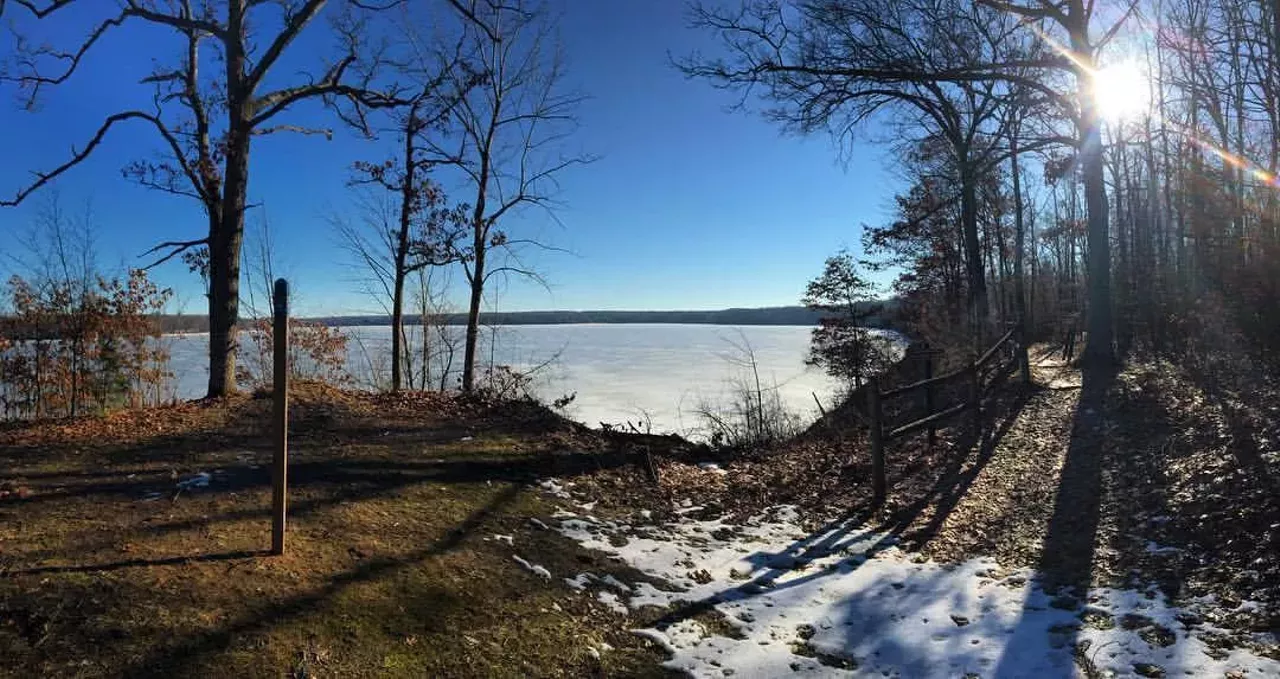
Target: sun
1121	91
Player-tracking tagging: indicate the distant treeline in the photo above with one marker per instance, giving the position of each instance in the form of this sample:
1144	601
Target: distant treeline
783	315
786	315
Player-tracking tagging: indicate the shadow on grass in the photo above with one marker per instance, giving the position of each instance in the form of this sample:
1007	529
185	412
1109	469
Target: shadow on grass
315	485
137	563
362	473
185	655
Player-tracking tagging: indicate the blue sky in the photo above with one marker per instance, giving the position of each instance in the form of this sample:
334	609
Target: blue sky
688	207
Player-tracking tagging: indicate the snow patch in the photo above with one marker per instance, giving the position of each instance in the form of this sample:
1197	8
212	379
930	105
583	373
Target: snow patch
615	583
611	600
200	480
849	602
532	568
554	487
712	467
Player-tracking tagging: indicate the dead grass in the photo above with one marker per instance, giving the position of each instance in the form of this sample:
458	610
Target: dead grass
392	566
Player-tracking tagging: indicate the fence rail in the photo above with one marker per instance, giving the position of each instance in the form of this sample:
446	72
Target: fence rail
971	373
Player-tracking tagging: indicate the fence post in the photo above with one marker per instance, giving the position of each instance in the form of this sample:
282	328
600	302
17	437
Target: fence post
975	395
280	399
1024	360
876	413
929	395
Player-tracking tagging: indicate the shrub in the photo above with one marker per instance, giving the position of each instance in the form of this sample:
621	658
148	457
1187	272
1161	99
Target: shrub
317	353
76	347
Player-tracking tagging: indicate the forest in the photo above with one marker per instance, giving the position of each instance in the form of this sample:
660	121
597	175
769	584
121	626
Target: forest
1075	167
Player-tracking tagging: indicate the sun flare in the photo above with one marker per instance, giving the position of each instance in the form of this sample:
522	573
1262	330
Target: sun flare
1120	91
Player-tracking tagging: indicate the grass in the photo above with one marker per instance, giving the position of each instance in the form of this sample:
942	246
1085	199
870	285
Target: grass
392	567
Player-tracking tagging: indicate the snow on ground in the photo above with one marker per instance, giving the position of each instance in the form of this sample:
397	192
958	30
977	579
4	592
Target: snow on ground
847	602
200	480
532	567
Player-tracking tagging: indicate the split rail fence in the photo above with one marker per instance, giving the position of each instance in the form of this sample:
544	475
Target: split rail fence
1010	349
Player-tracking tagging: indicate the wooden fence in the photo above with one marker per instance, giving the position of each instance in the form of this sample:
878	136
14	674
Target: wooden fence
1010	346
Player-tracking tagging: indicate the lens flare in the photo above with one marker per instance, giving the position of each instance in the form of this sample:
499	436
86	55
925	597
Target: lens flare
1120	92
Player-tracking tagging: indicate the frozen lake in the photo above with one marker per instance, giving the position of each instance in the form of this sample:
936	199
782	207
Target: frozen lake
620	372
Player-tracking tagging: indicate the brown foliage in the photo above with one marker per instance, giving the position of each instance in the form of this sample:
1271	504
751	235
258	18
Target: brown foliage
317	353
78	348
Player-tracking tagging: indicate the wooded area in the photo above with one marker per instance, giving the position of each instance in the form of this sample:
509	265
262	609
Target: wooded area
1071	167
1065	158
473	87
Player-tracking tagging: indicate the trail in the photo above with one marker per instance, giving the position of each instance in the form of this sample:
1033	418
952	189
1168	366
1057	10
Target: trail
1033	556
1014	476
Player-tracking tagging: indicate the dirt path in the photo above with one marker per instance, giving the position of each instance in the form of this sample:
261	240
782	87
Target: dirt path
1007	489
1129	479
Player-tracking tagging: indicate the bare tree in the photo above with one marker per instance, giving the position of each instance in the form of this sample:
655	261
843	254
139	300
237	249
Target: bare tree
392	248
506	137
833	64
1075	19
205	159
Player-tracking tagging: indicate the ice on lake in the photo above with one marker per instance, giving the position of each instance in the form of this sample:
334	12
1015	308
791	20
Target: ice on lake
658	373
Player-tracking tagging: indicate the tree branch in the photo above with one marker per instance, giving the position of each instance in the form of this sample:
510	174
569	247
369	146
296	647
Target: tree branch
292	27
77	157
297	129
178	247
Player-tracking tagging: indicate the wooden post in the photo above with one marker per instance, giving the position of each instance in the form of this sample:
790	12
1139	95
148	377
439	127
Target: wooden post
280	398
975	395
929	399
1024	360
876	413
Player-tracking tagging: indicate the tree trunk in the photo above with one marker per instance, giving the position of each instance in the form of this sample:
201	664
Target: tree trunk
224	277
407	197
972	248
1019	285
226	240
473	314
397	326
1098	350
479	243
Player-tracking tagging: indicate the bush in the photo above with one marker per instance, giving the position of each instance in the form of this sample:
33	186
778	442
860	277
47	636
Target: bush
317	353
754	413
76	347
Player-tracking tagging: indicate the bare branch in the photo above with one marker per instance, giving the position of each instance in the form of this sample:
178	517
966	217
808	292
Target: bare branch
36	10
34	81
293	25
297	129
176	248
78	156
184	23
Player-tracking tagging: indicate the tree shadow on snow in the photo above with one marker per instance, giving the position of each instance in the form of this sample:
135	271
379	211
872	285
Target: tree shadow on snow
1067	556
857	534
